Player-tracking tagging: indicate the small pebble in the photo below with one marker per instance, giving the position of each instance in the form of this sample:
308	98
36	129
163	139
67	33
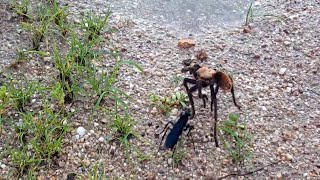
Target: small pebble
101	139
282	71
81	131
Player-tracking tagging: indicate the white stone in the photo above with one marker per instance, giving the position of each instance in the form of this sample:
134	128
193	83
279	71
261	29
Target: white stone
282	71
3	166
101	139
81	131
77	136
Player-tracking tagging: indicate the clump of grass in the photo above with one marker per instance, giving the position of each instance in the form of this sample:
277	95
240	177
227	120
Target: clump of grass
20	95
60	18
40	137
21	8
58	94
123	125
94	24
166	103
178	156
4	104
97	172
82	51
236	139
38	30
64	66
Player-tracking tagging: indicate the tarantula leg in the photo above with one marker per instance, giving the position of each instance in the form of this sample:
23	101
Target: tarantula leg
214	92
204	99
234	98
189	92
189	128
199	84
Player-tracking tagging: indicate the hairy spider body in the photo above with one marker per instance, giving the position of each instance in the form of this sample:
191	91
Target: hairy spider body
204	77
176	131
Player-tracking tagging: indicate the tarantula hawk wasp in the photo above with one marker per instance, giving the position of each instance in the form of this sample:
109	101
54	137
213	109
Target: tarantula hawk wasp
204	77
176	131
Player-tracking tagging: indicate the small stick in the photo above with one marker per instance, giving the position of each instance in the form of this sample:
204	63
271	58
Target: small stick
249	172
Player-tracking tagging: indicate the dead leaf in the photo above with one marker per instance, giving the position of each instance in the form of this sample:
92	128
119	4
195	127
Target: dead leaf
186	43
202	55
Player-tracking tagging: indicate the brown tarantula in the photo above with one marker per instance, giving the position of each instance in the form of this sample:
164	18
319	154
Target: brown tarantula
204	77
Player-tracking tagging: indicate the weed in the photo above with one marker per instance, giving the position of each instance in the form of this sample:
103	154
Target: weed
107	87
21	95
60	18
166	103
21	8
123	126
249	17
176	80
82	51
178	155
38	30
58	94
95	173
4	100
23	160
64	66
236	139
94	24
22	55
40	139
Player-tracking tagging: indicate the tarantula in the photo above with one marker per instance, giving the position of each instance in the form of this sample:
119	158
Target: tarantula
205	77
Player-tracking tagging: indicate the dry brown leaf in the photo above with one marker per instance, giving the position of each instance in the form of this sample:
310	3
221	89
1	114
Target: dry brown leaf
202	55
186	43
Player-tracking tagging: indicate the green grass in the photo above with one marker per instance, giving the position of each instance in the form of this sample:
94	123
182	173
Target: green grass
21	8
40	127
249	16
20	95
236	139
40	137
96	172
94	24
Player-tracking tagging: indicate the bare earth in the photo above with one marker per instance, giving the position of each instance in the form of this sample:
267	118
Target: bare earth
276	69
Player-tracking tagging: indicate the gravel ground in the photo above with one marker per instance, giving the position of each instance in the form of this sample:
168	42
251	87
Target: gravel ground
276	72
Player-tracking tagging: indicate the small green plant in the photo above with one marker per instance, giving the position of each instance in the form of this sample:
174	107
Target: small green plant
107	81
176	80
94	24
4	104
21	8
249	17
178	156
82	51
58	94
97	172
22	55
60	18
4	99
21	95
166	103
64	66
236	139
23	161
40	138
38	30
123	126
